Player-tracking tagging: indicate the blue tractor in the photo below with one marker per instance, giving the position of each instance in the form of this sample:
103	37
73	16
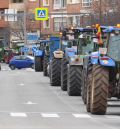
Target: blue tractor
57	57
39	52
103	71
50	48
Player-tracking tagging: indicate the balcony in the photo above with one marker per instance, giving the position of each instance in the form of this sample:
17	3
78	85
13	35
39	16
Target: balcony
18	6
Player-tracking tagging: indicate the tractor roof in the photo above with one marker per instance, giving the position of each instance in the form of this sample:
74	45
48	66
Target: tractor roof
85	30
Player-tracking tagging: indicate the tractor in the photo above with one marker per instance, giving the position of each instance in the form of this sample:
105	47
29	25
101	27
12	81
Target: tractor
39	52
56	59
54	45
72	62
103	71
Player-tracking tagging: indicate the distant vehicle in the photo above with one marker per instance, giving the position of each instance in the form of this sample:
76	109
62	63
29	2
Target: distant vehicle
6	54
22	61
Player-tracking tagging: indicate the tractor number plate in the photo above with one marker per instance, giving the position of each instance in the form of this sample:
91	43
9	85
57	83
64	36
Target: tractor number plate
103	51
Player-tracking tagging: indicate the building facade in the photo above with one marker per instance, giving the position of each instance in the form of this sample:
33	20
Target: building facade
66	13
4	30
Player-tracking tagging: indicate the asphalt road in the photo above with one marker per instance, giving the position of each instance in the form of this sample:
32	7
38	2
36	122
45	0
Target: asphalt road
27	101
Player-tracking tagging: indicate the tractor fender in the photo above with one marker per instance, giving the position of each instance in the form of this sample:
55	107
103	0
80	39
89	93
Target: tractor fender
76	60
70	52
94	57
106	62
39	53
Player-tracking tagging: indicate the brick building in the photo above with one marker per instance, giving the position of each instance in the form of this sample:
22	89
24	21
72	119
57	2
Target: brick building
4	31
66	13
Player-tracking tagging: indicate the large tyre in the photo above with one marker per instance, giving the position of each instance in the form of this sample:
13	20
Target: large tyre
84	89
55	72
64	70
12	67
45	65
74	80
99	92
88	88
38	64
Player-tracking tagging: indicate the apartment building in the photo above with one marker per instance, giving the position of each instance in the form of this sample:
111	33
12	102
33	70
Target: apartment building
27	6
65	13
4	31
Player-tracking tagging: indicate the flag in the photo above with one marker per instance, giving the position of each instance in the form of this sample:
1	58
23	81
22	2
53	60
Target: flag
99	34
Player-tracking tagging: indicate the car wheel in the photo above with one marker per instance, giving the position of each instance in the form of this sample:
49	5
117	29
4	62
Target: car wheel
12	67
32	66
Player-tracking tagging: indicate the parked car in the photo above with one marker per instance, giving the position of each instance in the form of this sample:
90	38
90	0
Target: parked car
22	61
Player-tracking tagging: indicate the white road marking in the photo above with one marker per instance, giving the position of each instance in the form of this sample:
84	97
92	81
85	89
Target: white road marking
29	69
21	84
112	117
81	116
30	103
3	69
50	115
18	114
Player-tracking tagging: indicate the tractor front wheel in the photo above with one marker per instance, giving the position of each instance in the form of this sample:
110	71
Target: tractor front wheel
99	90
38	64
64	70
55	72
74	80
45	65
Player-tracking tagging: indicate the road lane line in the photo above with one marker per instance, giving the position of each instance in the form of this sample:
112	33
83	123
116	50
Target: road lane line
21	84
18	114
112	117
81	116
50	115
30	103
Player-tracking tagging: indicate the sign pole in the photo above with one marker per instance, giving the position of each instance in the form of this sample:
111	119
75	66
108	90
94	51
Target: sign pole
25	33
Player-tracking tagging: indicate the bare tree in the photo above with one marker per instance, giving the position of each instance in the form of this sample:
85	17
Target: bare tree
106	12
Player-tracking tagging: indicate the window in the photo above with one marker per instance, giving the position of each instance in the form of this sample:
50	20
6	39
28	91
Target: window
86	3
73	1
59	22
60	4
46	24
63	3
17	1
1	12
45	2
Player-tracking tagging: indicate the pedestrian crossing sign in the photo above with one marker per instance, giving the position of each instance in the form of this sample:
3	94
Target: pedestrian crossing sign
41	14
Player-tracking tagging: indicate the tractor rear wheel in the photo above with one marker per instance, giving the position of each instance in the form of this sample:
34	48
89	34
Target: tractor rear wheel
38	64
55	72
99	90
64	70
45	65
83	88
74	80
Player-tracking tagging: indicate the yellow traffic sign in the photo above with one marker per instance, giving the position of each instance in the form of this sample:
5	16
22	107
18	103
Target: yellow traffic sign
41	14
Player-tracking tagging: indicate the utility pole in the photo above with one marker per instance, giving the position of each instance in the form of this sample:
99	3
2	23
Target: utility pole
25	30
100	13
40	21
